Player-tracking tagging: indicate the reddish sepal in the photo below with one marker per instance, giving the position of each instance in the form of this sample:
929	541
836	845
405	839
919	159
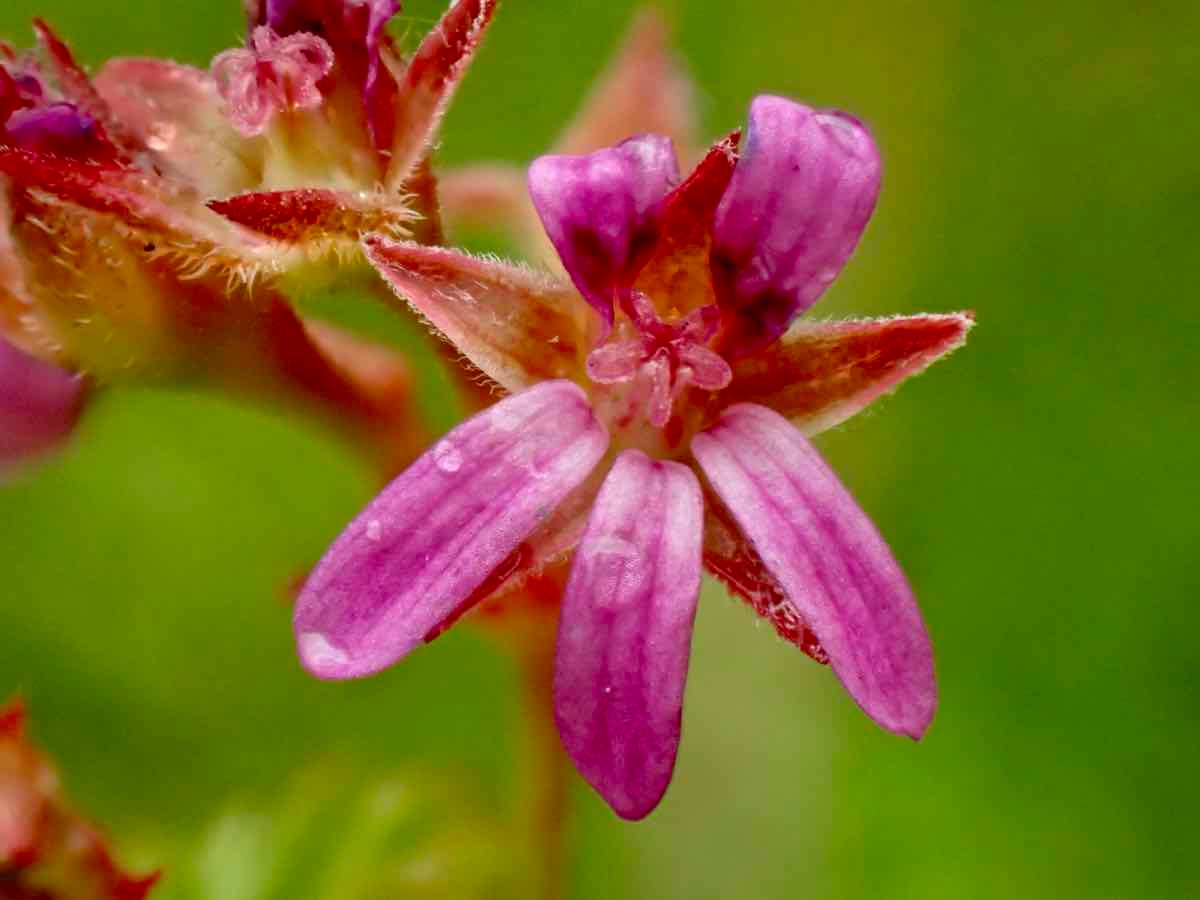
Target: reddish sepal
429	81
678	266
105	188
821	373
306	214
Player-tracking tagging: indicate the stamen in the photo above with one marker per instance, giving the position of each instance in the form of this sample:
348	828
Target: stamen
663	360
615	362
709	371
271	76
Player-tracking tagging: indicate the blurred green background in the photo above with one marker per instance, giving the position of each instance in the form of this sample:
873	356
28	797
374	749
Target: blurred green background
1042	168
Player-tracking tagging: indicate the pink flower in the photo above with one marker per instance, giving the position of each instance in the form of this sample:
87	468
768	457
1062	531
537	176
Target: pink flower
657	423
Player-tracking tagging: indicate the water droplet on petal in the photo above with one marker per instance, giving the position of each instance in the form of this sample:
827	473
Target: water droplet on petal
611	545
161	137
318	653
447	457
505	419
374	530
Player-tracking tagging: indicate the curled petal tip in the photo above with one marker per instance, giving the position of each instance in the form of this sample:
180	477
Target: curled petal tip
601	210
321	657
800	197
274	74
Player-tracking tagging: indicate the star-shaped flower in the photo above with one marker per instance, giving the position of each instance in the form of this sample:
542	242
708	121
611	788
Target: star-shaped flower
660	401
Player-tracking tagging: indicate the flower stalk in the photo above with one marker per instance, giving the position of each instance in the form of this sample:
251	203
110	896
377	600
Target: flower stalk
543	767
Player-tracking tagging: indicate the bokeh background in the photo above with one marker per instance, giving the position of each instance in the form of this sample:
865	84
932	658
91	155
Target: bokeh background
1042	167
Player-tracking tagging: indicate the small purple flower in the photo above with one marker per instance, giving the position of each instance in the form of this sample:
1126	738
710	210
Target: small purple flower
648	435
33	119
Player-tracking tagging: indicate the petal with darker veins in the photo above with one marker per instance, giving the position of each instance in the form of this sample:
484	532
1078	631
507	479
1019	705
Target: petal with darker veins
625	631
829	559
420	550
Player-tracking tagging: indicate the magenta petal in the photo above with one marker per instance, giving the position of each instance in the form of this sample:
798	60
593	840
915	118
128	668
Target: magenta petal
798	202
600	211
54	128
39	405
625	631
829	560
417	552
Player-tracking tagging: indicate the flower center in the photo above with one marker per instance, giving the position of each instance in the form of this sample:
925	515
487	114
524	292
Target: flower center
663	359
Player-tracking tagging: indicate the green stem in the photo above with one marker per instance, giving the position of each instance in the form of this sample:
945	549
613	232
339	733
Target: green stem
542	779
